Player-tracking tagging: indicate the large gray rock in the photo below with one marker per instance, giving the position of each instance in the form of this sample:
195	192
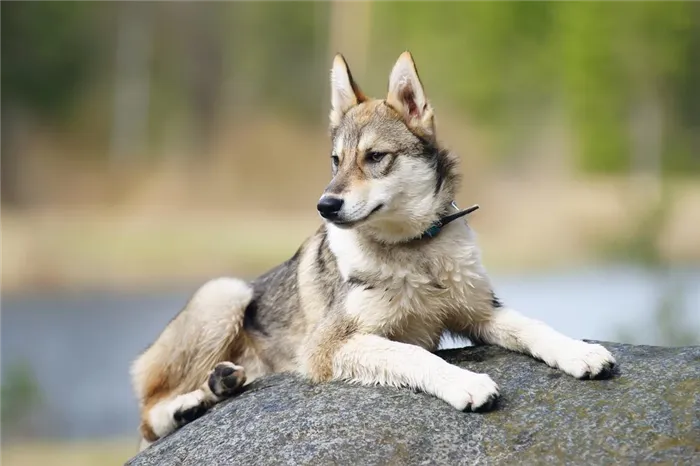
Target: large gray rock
649	412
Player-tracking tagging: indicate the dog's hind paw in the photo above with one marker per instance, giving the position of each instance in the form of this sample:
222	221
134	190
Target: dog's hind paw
226	379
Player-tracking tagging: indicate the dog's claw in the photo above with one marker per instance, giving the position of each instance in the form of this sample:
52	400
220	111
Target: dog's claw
488	405
606	372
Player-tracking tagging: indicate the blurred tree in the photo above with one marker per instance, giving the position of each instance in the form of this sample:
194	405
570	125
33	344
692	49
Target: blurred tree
188	71
684	90
132	71
204	33
279	68
45	60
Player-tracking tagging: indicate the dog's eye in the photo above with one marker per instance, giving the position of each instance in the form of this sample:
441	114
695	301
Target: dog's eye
375	156
335	160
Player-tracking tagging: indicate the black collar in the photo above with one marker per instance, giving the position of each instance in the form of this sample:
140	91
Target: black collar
434	229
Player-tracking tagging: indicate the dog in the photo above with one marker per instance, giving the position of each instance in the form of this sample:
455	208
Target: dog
365	299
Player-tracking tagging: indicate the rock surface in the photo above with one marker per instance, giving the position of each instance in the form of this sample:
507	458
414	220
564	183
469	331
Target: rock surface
649	412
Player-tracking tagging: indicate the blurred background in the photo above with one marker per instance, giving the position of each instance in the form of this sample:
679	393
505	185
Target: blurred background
147	147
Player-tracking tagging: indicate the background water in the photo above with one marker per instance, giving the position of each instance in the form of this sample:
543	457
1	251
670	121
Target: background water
79	346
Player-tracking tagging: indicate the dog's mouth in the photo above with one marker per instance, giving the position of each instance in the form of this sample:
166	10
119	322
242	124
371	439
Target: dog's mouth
353	223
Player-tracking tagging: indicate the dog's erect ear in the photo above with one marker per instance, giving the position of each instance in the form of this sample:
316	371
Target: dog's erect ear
407	97
345	93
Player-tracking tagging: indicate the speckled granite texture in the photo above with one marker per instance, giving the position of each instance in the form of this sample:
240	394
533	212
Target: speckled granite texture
648	413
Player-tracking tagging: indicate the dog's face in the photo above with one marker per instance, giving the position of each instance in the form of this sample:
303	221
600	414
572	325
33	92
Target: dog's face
388	175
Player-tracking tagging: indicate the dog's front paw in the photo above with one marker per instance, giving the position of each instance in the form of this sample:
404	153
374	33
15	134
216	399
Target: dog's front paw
586	360
471	392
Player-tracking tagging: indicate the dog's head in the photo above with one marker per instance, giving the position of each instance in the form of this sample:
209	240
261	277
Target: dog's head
390	178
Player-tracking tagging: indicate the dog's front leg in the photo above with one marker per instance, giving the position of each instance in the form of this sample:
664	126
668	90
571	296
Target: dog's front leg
514	331
371	359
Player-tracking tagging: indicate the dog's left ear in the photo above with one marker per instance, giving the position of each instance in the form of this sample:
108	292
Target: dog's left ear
407	97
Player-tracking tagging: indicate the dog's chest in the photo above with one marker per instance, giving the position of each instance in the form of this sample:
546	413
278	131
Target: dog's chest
410	295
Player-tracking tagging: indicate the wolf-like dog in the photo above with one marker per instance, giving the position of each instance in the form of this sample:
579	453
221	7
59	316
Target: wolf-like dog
365	299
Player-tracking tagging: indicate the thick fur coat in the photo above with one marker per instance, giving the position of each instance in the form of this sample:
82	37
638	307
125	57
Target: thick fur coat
365	299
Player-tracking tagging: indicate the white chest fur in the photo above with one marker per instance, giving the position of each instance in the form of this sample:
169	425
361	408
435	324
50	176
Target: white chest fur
415	291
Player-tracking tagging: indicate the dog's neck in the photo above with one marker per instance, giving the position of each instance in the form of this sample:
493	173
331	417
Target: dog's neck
438	225
413	233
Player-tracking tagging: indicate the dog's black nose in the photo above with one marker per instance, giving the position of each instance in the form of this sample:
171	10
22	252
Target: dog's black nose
329	206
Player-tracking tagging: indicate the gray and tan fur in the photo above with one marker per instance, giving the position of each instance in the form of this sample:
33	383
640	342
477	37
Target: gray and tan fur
362	300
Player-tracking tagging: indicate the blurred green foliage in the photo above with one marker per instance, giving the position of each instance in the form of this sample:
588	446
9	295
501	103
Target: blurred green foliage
283	54
505	63
501	60
19	395
46	54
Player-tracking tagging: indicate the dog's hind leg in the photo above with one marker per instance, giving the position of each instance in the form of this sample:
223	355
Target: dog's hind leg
188	368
